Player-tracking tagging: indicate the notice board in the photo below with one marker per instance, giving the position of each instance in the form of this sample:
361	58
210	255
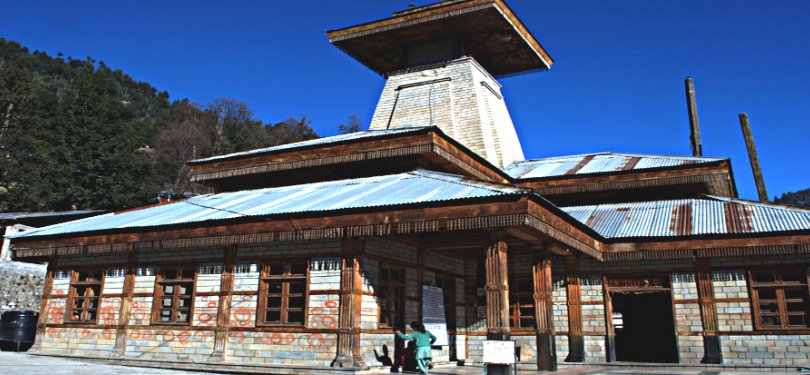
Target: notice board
433	316
499	352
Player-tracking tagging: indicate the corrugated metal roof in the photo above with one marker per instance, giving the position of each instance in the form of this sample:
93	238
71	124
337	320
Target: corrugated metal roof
420	186
314	142
709	215
603	162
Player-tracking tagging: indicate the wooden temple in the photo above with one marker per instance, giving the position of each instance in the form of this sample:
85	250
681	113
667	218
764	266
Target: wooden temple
309	254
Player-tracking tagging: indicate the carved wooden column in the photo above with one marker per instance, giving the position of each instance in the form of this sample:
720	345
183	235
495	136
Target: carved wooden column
498	327
576	342
544	311
126	304
351	298
43	308
708	312
224	311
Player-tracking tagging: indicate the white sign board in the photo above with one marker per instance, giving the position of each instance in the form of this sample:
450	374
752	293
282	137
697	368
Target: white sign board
499	352
433	316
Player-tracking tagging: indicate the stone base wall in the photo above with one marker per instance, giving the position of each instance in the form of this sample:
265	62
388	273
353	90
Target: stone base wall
169	344
279	348
766	349
79	341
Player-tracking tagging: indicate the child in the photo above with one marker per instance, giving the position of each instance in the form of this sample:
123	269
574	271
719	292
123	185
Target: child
424	340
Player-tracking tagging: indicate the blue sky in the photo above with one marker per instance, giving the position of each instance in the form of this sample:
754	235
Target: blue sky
616	85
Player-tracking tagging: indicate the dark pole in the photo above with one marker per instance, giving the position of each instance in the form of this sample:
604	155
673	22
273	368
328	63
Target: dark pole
752	156
694	125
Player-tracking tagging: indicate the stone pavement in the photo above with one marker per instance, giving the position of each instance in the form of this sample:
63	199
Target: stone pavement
26	364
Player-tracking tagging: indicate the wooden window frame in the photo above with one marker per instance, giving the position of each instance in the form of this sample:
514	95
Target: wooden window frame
160	283
285	278
74	283
514	306
403	283
779	286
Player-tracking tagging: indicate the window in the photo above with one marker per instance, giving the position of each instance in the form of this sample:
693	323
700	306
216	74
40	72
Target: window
115	272
175	291
85	289
780	299
521	303
391	295
284	293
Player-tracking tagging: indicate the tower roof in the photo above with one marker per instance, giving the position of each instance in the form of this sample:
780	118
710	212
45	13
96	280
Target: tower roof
487	30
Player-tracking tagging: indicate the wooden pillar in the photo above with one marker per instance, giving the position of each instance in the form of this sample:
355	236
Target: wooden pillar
753	157
421	253
224	311
610	333
351	298
126	304
576	341
708	312
43	308
544	311
694	124
498	327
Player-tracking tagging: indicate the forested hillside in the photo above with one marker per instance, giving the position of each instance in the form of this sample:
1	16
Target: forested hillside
796	198
77	134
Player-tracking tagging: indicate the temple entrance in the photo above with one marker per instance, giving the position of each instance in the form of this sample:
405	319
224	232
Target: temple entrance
644	327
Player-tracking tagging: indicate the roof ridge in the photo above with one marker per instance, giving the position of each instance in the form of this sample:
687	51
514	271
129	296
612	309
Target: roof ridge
304	143
656	156
479	183
756	203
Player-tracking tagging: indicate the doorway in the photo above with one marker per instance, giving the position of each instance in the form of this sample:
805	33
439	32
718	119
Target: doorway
644	327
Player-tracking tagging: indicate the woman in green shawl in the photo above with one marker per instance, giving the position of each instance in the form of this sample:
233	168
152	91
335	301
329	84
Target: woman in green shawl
424	339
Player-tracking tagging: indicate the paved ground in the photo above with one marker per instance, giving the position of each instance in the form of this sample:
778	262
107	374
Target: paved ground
25	364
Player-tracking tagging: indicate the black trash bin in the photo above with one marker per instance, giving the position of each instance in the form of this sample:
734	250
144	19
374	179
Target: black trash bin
18	329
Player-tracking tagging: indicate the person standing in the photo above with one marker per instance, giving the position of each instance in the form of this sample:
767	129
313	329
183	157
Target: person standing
424	339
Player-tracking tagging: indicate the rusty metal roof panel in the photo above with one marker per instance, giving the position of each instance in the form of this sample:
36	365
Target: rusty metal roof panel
596	163
415	187
708	215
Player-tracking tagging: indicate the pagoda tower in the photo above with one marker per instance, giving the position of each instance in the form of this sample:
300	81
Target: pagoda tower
441	62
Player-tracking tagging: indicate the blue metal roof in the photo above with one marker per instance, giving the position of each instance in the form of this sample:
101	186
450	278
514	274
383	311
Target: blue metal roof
419	186
314	142
709	215
604	162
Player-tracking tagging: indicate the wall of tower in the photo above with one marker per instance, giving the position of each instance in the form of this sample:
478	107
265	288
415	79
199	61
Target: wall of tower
459	97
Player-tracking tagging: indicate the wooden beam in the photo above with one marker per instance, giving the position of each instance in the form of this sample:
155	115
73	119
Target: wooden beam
351	297
126	304
497	277
224	310
576	341
43	308
708	312
544	311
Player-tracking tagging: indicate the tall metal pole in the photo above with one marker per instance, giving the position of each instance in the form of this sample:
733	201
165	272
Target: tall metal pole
752	156
694	125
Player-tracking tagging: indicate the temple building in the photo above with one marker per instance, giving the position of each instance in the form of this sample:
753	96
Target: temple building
309	254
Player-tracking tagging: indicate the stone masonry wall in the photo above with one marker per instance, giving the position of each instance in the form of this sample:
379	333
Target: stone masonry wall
459	97
688	322
21	286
